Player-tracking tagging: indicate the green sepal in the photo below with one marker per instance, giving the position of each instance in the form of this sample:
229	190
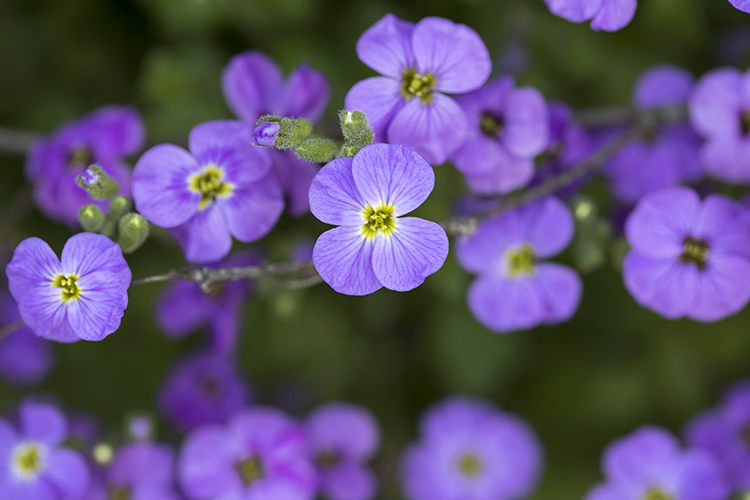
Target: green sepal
355	127
133	231
349	150
292	132
104	188
317	150
91	218
119	206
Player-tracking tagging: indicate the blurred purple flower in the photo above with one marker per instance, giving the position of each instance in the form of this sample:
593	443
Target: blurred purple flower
25	359
33	463
221	188
259	454
182	307
725	434
375	245
253	86
342	438
669	155
649	465
103	137
689	258
202	388
514	290
607	15
469	449
743	5
81	298
419	62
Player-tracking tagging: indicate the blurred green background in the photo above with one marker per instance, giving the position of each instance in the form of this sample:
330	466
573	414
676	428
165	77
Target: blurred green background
612	368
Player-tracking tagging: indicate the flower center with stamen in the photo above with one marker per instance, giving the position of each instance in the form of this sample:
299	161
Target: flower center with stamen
379	220
210	184
327	460
70	290
415	85
491	125
694	252
655	493
250	470
745	123
80	157
120	493
469	465
26	460
520	261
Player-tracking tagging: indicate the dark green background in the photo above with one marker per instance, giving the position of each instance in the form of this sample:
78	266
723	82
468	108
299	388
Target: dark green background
614	367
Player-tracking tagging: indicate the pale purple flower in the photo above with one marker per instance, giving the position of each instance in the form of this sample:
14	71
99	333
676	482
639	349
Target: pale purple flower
25	359
183	307
342	438
202	388
33	463
265	134
103	137
607	15
254	86
81	298
375	245
688	258
89	177
222	188
508	127
668	155
743	5
260	454
725	434
649	465
515	289
470	450
419	64
139	471
720	112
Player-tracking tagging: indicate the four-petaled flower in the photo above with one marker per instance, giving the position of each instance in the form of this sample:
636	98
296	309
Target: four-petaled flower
607	15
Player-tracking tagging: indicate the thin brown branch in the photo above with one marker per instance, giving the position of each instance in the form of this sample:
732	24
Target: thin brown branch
10	328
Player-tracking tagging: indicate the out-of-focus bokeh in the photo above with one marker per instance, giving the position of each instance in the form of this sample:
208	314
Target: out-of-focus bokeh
615	366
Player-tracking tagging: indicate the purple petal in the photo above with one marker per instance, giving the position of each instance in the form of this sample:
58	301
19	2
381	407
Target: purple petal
86	253
344	428
251	83
508	173
334	196
182	308
386	47
725	224
68	472
34	264
8	439
394	175
379	98
576	11
701	478
225	326
414	250
723	288
116	130
506	305
265	134
549	226
295	177
743	5
349	481
526	132
142	463
716	103
728	159
484	156
207	464
648	456
343	258
99	309
664	285
606	492
560	288
25	359
253	210
305	94
27	490
160	185
206	237
614	15
663	85
453	52
434	130
43	422
483	251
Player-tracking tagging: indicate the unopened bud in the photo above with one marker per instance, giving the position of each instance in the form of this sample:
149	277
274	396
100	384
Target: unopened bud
356	128
99	185
91	218
281	133
317	150
119	206
266	133
133	231
349	149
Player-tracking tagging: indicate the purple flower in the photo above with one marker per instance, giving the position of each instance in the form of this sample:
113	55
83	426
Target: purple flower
139	471
33	464
689	258
649	465
265	134
201	389
469	449
342	438
607	15
375	245
103	137
259	454
221	188
508	127
514	290
743	5
419	62
666	156
182	307
725	434
25	359
253	87
89	177
82	297
720	112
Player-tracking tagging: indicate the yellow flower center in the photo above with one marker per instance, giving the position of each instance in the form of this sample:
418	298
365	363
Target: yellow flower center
70	290
27	460
655	493
415	85
120	493
694	252
210	184
520	261
379	220
490	125
327	460
469	465
250	470
80	157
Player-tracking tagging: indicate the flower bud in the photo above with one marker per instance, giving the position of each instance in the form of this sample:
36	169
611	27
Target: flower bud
91	218
99	185
266	133
349	149
317	150
133	231
118	206
289	134
355	127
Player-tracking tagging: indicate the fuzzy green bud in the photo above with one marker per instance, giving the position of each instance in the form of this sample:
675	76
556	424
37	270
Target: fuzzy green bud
349	149
317	150
355	127
91	218
289	133
118	206
133	231
99	185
